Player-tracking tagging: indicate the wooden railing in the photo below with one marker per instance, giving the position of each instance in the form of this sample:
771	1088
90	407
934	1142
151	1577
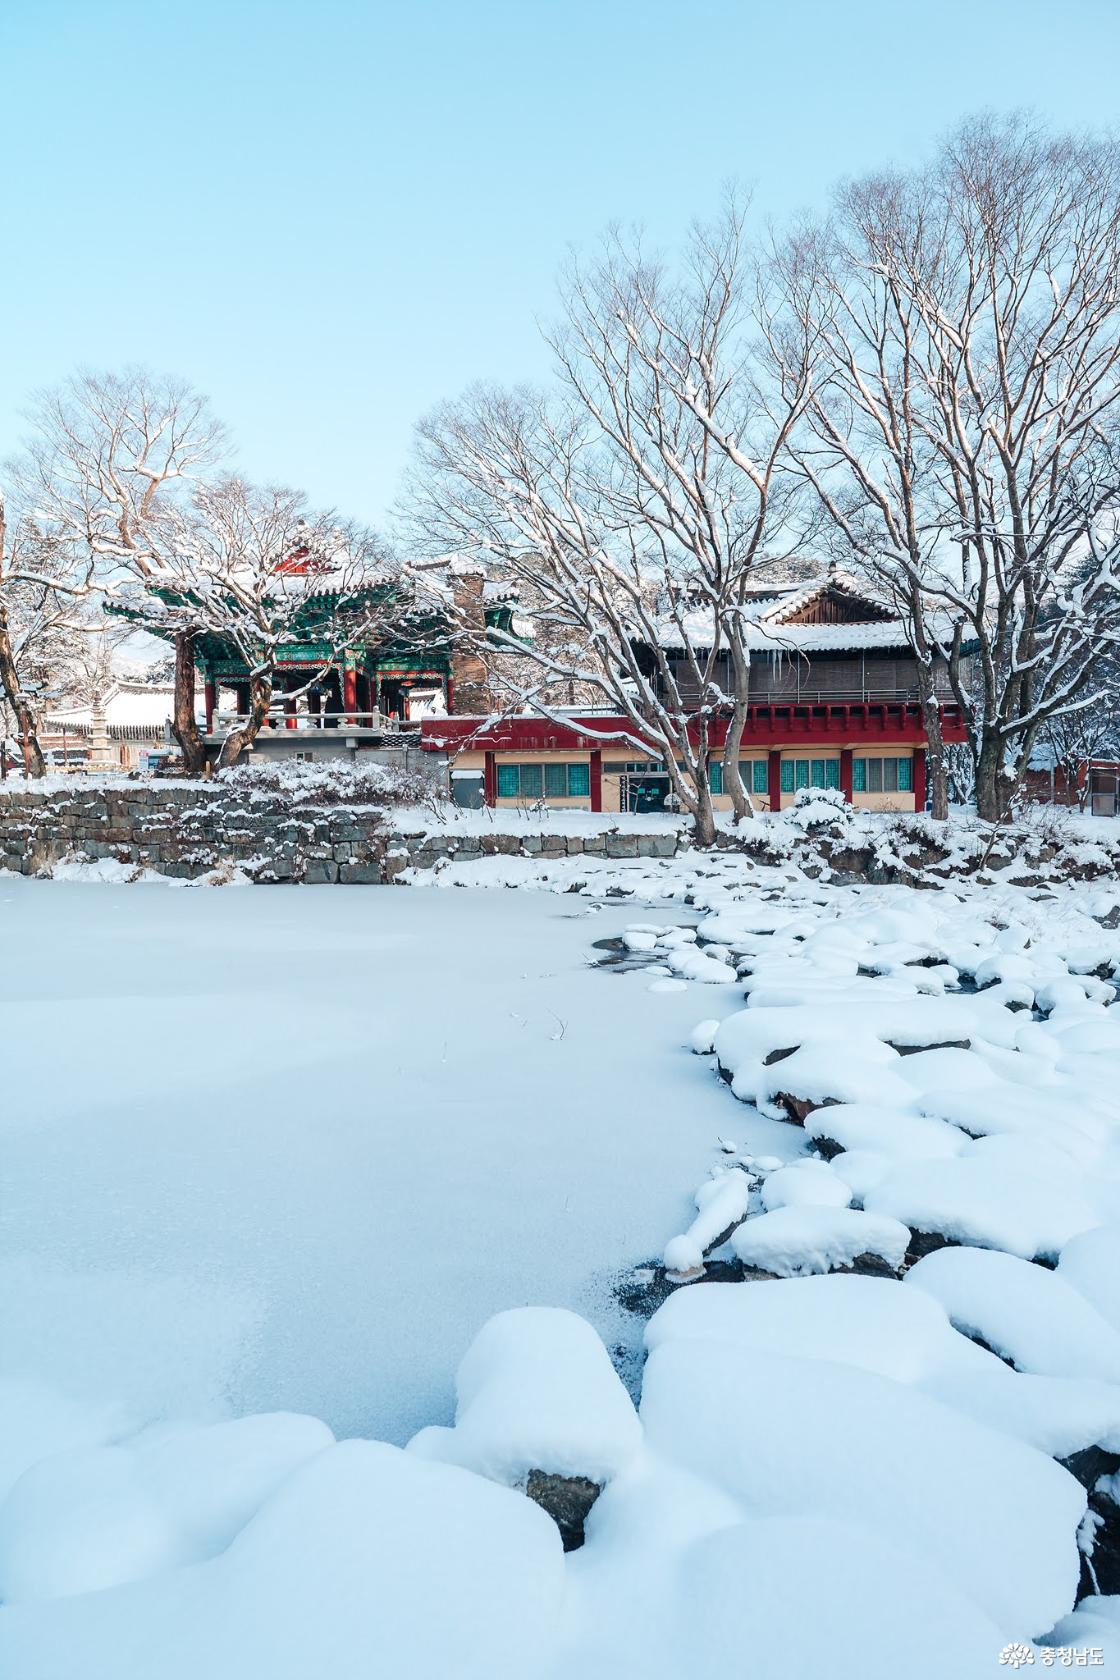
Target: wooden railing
278	718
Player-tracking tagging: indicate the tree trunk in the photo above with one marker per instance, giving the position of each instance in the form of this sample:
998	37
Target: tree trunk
704	818
185	726
9	680
936	769
732	781
991	784
238	741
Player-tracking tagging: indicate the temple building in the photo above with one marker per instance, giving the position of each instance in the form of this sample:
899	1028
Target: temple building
834	703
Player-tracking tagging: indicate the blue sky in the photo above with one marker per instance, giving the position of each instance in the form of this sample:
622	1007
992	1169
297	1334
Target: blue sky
330	215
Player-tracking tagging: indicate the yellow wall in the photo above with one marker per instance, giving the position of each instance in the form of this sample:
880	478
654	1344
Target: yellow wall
904	801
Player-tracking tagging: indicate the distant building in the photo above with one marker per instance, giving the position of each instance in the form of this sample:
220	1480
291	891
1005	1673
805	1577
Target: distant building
128	730
834	703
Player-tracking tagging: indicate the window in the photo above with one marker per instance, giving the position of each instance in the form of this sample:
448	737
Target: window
881	775
800	773
715	776
548	780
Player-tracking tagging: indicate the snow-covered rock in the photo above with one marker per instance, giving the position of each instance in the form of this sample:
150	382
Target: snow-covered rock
536	1391
798	1241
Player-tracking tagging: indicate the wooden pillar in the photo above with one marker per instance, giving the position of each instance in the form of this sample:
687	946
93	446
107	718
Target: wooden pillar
350	694
918	777
775	780
449	693
490	779
846	784
596	780
210	691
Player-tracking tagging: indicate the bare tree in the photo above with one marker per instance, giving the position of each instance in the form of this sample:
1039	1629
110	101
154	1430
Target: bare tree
633	506
965	436
41	628
110	455
860	442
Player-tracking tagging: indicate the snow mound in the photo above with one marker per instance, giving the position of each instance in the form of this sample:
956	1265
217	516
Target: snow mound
805	1183
973	1199
366	1561
1024	1313
82	1521
798	1241
803	1437
536	1391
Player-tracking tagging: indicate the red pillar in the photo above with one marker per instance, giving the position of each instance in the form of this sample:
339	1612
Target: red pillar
846	773
775	779
449	694
490	779
210	692
918	777
596	780
350	694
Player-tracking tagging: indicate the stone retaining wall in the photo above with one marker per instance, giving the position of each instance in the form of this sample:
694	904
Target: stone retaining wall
188	829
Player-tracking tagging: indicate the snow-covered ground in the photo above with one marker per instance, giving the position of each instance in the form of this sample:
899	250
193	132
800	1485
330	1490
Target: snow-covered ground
288	1151
290	1147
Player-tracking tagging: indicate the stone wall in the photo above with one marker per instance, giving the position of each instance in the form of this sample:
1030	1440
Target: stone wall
187	829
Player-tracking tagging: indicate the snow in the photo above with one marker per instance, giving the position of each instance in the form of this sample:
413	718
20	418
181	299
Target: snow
1026	1314
82	1521
1091	1263
288	1150
801	1437
720	1203
277	1163
536	1391
366	1560
805	1183
976	1200
796	1241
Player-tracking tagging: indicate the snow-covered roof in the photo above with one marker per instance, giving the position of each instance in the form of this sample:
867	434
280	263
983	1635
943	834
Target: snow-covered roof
768	609
126	703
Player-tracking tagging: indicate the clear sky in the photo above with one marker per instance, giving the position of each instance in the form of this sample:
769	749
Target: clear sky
329	214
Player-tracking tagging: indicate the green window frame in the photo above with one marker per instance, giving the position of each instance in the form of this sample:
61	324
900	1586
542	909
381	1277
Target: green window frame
801	766
546	780
882	775
760	776
787	775
715	776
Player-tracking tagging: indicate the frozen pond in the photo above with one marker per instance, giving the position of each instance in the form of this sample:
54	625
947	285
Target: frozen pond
289	1147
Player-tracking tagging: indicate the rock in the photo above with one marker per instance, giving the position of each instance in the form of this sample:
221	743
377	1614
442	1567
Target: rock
567	1499
1090	1465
